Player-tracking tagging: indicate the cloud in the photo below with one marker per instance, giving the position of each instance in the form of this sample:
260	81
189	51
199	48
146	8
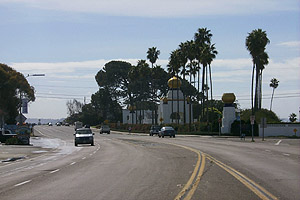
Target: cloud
231	70
290	44
165	8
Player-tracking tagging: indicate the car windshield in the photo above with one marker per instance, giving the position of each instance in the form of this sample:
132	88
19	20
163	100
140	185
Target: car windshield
83	132
168	128
105	126
156	127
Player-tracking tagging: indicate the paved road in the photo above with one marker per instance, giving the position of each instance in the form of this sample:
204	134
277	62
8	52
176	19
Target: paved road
122	166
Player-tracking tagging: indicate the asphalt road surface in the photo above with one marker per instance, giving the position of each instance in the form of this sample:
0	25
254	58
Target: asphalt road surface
122	166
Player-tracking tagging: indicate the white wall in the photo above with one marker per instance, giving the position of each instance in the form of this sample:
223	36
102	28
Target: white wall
280	130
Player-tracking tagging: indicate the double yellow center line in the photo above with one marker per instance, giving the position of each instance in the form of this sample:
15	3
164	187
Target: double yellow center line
190	187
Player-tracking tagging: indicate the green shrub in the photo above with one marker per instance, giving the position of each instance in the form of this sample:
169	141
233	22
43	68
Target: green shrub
246	128
13	141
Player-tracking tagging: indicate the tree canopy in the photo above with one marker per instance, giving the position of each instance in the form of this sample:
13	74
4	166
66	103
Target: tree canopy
12	85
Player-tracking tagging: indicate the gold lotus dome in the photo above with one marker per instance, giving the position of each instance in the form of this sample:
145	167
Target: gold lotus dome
174	83
228	98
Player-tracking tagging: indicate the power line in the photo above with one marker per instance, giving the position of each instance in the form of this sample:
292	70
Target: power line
79	95
281	94
282	97
53	97
56	86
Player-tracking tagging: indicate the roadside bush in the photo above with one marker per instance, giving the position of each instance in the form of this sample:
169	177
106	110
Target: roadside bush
246	128
13	141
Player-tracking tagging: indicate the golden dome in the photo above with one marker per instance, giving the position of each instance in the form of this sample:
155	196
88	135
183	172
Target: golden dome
174	83
228	98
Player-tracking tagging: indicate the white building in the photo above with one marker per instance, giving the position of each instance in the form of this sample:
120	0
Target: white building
137	116
173	105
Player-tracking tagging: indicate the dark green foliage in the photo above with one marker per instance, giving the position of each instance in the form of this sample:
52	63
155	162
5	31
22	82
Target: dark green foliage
293	117
11	84
271	116
13	141
246	128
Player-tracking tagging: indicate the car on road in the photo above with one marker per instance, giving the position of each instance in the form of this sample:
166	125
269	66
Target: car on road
78	125
167	131
154	130
104	129
84	136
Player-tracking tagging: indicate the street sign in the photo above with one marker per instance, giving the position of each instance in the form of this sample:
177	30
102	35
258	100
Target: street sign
21	118
252	119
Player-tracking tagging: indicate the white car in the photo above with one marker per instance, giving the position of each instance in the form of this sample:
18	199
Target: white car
84	136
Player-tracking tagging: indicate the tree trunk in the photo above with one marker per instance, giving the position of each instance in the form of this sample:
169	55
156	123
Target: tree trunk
202	90
252	82
184	113
177	101
272	99
211	91
256	98
260	92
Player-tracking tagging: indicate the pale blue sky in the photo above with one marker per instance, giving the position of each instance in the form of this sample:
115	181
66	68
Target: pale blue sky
70	41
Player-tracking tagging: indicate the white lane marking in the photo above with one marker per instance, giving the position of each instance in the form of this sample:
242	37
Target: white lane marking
278	142
267	150
83	158
72	163
19	184
286	154
91	154
54	171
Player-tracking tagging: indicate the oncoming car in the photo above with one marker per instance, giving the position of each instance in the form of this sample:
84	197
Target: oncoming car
84	136
167	131
154	130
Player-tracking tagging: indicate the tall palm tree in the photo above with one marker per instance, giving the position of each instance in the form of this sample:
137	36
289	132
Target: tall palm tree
184	57
152	55
174	69
273	84
256	42
202	40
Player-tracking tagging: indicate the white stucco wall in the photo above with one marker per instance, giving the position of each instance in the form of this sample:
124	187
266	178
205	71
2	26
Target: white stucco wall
280	130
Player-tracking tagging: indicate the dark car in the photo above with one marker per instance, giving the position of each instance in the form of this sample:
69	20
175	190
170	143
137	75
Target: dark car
154	130
84	136
104	129
167	131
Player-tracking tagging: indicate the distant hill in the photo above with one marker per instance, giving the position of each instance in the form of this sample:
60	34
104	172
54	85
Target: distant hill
44	121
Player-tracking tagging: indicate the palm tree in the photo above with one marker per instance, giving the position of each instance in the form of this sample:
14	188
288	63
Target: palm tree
152	55
174	69
256	42
210	53
293	117
274	84
203	42
201	38
184	57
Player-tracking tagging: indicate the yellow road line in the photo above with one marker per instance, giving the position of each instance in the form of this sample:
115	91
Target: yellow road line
201	160
254	187
195	185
